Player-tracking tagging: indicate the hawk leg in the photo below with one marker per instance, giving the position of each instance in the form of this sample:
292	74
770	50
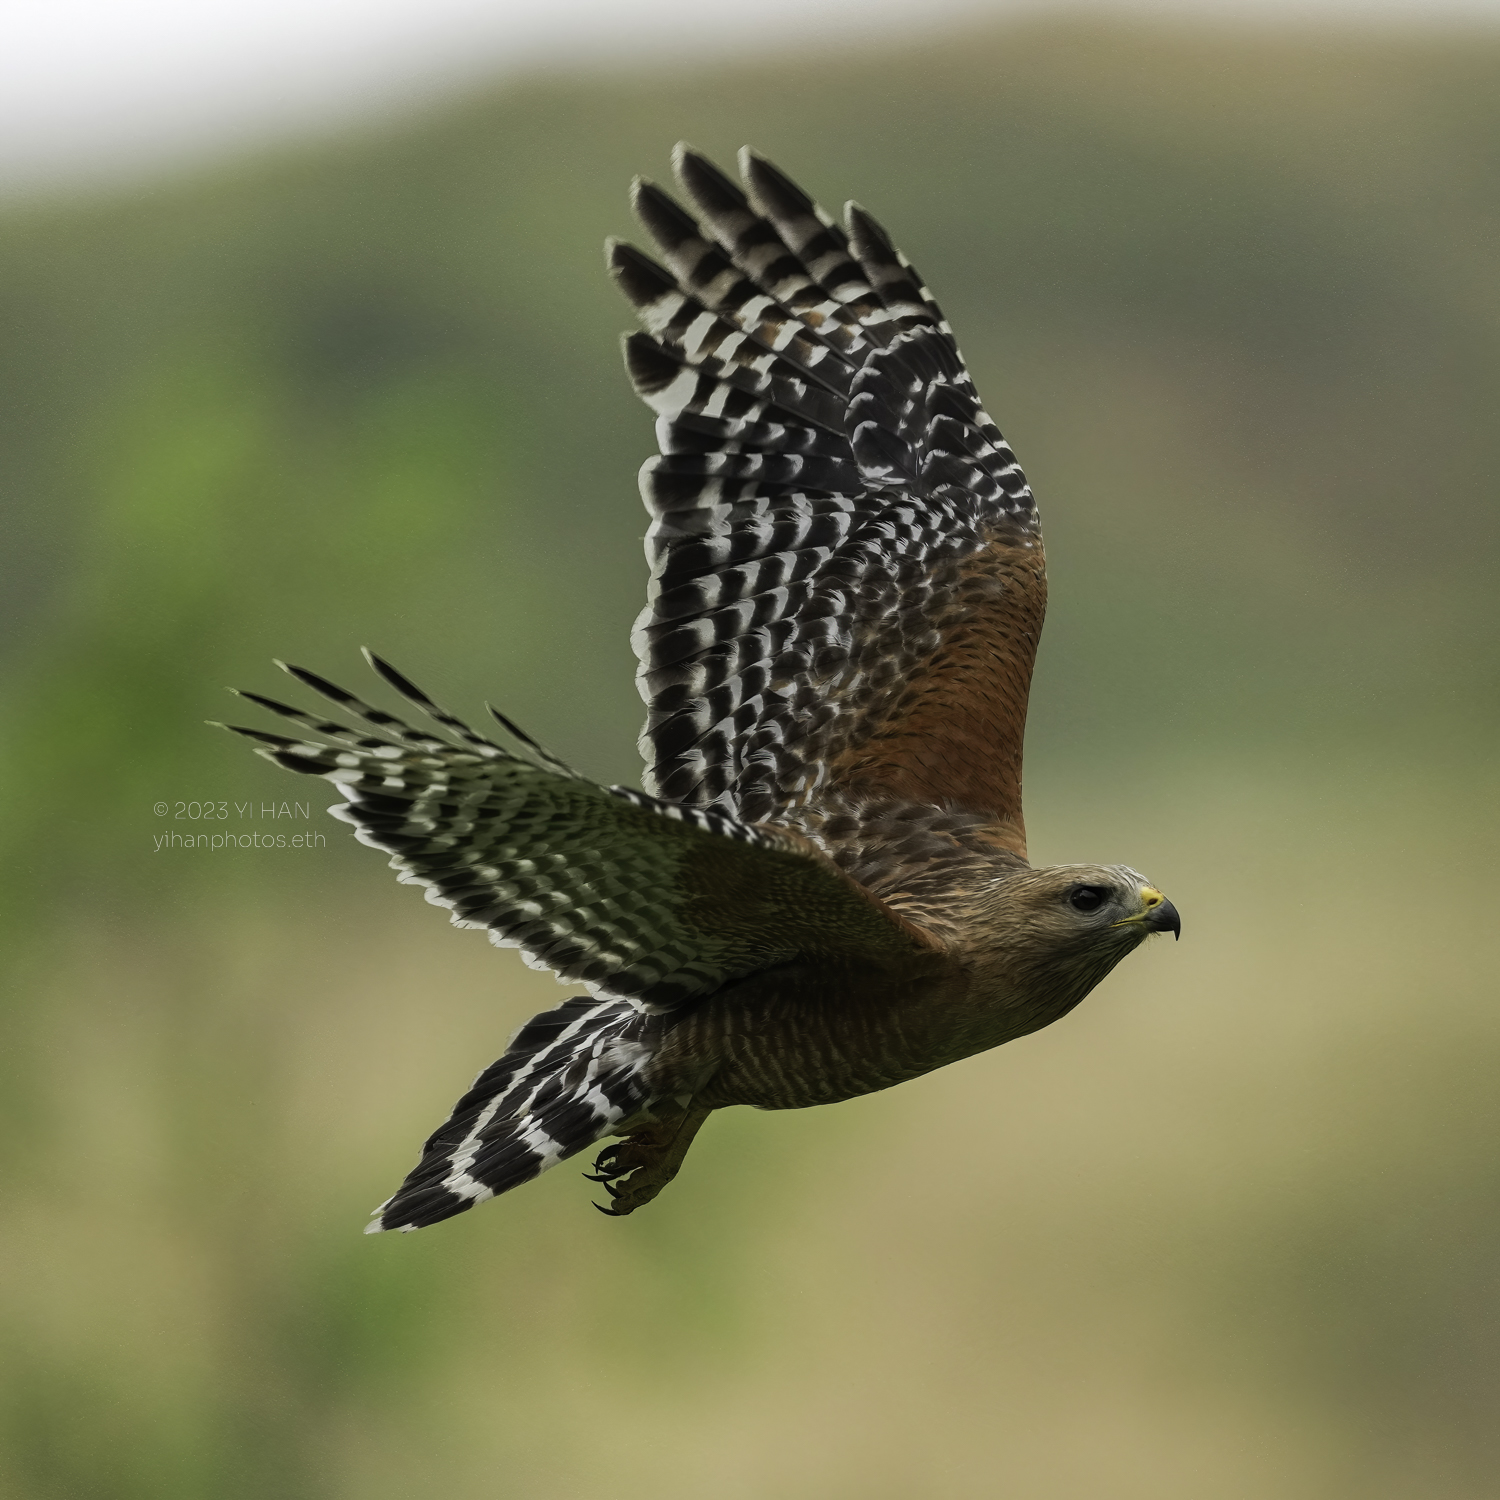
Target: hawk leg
636	1168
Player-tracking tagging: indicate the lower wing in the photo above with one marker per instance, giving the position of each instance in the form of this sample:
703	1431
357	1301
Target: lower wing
637	898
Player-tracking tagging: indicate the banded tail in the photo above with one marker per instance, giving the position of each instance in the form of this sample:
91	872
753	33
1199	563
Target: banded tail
568	1078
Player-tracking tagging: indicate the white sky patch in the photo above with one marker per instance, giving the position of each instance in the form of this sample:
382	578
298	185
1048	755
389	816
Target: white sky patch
93	89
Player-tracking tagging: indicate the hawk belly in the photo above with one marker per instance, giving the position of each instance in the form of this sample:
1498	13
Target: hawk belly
801	1036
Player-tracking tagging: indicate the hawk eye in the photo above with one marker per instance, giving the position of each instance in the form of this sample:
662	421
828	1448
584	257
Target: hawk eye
1087	897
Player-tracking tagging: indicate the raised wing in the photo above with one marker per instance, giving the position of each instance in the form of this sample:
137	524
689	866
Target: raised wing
847	577
639	899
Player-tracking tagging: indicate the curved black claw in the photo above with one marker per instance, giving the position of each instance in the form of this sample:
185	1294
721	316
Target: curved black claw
613	1213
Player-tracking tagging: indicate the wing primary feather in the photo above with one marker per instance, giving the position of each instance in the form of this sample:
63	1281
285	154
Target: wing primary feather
360	709
816	239
546	757
413	694
332	728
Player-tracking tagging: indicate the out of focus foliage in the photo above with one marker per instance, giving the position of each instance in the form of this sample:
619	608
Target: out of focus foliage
1232	1229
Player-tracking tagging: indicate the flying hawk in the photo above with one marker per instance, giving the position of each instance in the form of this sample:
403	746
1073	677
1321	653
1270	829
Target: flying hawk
824	889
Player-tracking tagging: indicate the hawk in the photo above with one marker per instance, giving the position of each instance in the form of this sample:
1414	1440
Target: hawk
823	890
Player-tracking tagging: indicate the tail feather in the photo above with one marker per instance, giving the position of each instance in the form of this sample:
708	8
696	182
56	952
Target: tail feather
569	1076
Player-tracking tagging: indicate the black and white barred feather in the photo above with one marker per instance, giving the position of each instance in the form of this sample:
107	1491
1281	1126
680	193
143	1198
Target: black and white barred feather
578	876
568	1078
826	471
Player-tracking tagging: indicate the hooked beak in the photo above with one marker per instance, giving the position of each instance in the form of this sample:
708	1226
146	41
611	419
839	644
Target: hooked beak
1158	914
1164	918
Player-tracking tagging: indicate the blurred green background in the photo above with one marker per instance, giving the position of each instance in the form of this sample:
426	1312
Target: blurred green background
1230	1230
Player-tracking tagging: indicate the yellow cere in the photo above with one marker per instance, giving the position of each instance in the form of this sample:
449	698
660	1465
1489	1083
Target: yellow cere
1150	898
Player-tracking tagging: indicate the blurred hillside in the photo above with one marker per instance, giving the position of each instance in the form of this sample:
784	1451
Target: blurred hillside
1231	1230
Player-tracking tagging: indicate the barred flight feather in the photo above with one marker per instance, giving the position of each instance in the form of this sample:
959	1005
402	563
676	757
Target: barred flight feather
829	489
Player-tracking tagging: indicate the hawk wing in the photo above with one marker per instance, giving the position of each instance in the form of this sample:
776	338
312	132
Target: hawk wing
639	899
847	577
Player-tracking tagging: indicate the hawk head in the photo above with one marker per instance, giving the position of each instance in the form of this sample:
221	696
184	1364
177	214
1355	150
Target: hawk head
1041	939
1095	908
